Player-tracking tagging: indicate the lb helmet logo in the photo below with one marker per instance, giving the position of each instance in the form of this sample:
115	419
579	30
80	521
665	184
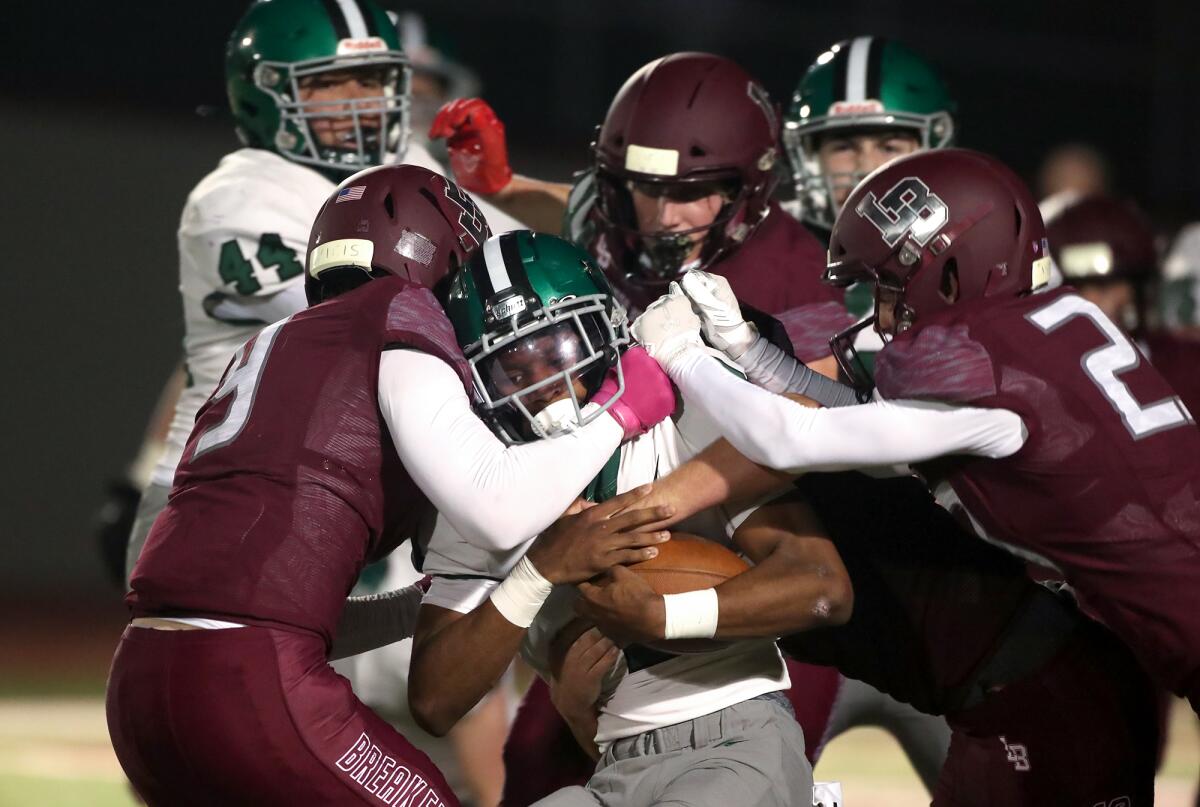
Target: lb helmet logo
1017	754
909	207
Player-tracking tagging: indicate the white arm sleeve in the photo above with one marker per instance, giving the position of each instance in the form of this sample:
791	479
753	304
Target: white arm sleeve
782	434
495	496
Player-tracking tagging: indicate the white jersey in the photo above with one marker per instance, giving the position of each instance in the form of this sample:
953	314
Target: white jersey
242	242
679	689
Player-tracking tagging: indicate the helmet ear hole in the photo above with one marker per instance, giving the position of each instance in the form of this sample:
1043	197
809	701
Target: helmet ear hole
949	284
696	151
390	206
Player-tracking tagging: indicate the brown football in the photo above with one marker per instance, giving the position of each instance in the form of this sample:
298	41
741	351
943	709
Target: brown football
689	563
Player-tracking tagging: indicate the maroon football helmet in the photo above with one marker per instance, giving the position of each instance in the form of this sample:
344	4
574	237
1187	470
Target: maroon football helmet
390	220
914	223
685	125
1098	238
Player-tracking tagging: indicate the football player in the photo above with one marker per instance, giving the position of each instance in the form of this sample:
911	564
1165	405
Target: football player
682	172
318	90
1105	248
330	436
538	324
861	104
1179	302
1030	414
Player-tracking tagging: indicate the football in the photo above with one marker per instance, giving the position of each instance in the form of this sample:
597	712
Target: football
689	563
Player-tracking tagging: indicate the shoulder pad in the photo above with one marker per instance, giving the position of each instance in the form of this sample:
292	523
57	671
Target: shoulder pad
939	362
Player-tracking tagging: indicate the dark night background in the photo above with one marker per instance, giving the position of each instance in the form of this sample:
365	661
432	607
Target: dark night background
101	143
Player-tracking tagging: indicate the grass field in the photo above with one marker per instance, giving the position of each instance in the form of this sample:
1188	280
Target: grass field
54	751
54	748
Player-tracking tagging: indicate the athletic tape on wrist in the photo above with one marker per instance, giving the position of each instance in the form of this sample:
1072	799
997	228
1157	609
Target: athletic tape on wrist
520	596
691	615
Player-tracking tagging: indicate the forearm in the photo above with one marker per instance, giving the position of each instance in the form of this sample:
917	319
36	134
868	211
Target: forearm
441	687
786	593
775	371
376	620
774	431
717	475
581	718
468	474
540	205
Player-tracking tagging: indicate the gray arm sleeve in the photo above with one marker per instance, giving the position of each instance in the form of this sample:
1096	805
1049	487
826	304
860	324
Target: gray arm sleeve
376	620
775	371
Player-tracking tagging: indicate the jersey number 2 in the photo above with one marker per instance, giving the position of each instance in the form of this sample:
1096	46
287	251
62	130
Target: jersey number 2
240	381
1104	363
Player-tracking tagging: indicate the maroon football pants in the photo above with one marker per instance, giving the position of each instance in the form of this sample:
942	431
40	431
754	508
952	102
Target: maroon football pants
541	754
254	716
1080	732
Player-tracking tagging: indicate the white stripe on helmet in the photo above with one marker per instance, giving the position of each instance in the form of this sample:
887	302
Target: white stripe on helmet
354	19
856	68
493	259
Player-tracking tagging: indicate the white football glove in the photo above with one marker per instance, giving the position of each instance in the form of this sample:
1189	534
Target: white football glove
668	327
720	314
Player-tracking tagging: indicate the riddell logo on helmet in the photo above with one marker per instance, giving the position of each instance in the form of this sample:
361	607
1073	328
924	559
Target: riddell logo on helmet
370	44
867	107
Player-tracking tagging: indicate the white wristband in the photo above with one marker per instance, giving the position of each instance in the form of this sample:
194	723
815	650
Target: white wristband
520	596
691	615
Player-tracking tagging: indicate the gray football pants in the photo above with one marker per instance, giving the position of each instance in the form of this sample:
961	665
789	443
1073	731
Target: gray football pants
751	753
924	738
154	499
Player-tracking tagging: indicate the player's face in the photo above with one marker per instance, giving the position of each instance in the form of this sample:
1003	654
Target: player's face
885	310
848	157
1114	299
536	358
337	92
676	209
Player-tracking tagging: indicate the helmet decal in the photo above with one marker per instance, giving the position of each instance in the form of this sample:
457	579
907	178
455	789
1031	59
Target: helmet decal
470	219
907	207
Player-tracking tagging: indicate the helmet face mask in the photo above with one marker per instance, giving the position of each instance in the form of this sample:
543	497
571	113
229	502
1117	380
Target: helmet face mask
658	256
322	84
867	85
540	329
535	378
378	125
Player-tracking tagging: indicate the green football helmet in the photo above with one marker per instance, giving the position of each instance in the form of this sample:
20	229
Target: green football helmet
866	83
540	329
281	47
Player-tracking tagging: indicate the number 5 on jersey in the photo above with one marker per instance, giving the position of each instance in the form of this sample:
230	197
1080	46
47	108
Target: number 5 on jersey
241	382
1104	363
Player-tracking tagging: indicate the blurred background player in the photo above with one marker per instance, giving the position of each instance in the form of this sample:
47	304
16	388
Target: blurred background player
682	174
437	77
1179	303
1106	249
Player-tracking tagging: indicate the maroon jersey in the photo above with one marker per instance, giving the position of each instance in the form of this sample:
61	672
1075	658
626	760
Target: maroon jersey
1106	488
290	483
1178	360
777	271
